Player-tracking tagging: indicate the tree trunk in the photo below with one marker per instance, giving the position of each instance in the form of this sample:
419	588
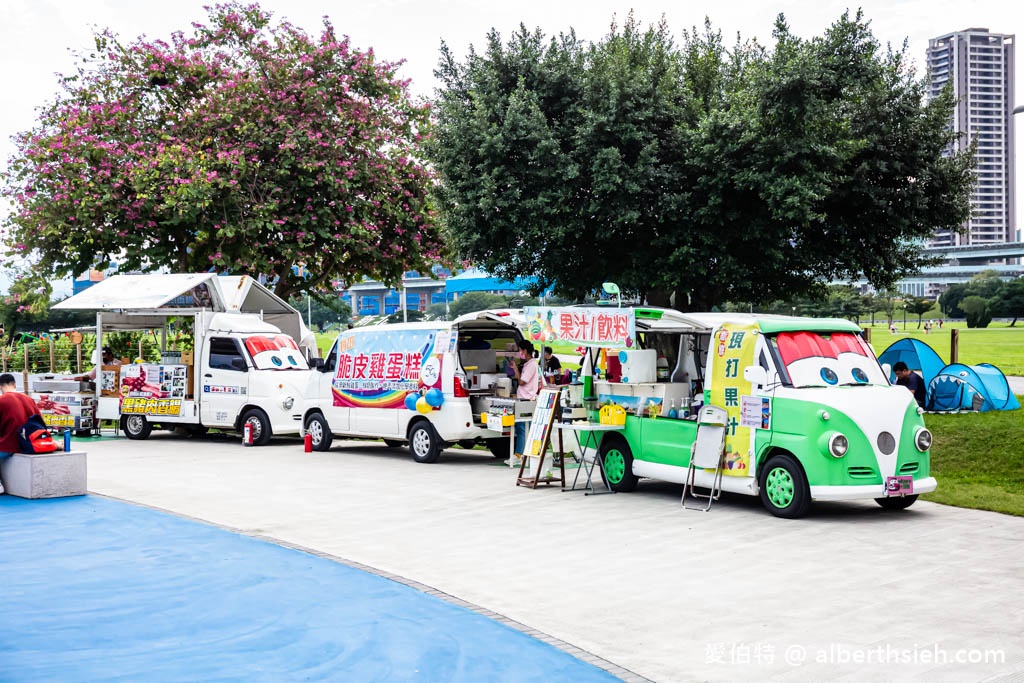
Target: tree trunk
661	298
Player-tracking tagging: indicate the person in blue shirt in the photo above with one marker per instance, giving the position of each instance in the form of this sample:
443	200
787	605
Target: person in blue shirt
906	377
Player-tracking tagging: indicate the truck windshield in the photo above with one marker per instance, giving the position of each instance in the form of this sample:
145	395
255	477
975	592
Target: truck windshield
275	352
823	359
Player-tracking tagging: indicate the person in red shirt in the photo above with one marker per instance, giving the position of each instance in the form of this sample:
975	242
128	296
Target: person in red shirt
15	410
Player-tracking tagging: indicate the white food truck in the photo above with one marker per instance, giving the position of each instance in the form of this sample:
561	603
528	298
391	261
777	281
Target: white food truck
428	384
246	366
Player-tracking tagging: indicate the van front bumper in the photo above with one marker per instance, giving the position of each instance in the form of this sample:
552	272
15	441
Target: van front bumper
872	491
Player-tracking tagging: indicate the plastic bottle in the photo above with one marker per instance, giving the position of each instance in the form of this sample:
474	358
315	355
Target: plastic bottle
662	369
672	413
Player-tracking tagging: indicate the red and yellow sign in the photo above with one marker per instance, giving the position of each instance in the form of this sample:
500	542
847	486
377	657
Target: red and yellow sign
151	406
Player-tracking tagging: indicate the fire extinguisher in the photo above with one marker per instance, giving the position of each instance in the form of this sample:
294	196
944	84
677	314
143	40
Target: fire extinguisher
247	434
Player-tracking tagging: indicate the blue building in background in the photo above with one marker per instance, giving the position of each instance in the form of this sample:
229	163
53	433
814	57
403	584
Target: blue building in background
421	291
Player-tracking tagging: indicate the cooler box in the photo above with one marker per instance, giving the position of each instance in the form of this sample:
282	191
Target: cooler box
639	366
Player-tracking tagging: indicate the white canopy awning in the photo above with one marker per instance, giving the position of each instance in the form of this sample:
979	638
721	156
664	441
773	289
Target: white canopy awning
169	293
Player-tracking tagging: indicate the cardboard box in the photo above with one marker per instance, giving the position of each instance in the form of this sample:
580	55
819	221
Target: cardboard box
110	380
187	358
66	385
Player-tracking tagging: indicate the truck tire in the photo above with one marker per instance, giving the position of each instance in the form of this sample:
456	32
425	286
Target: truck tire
783	487
499	448
424	443
618	465
896	502
260	425
136	427
319	432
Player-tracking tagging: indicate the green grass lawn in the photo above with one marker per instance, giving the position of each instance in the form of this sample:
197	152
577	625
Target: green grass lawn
978	460
998	344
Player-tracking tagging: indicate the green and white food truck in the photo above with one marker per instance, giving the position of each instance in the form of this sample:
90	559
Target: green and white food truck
811	416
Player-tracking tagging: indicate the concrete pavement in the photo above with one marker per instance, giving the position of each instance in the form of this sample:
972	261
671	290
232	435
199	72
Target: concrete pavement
734	594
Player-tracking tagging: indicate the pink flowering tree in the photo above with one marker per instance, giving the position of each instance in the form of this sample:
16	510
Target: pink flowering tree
245	146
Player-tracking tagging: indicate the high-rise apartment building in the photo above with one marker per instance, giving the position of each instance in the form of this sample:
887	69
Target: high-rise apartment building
979	64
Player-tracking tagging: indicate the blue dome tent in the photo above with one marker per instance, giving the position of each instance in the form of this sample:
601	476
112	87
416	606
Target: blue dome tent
980	387
916	354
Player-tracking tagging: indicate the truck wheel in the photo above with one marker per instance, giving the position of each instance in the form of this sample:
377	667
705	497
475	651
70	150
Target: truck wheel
319	432
896	502
136	427
618	465
784	489
499	448
260	425
424	443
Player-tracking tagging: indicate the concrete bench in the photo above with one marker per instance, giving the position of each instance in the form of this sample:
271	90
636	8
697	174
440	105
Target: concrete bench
44	475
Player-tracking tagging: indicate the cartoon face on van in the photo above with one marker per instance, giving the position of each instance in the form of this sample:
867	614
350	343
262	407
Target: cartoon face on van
851	432
275	352
808	413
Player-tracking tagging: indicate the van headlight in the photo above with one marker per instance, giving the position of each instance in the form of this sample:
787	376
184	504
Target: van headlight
923	439
288	402
838	445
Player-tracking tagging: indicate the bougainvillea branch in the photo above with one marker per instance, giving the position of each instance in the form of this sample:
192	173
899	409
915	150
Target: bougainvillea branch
245	146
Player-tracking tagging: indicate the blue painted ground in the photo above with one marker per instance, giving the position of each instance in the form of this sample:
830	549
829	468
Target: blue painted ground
97	590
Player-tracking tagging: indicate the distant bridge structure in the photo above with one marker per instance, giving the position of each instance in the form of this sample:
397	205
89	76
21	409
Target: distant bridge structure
962	264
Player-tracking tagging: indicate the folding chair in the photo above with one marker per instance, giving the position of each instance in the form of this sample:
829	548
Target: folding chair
707	452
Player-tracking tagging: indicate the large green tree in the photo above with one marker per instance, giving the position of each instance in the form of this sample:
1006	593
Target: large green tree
25	302
695	174
1010	302
243	145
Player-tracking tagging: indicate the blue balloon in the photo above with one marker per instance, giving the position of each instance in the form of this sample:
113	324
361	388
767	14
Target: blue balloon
623	357
410	400
434	398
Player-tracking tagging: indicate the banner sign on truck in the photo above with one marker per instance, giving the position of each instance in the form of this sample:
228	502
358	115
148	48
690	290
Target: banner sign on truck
378	369
587	326
733	347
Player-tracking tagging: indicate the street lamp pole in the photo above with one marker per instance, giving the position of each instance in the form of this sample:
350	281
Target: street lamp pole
904	317
613	289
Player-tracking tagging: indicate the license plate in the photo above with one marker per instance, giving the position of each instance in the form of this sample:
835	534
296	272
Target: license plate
902	485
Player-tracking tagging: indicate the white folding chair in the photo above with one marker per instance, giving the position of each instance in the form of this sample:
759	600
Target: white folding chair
707	452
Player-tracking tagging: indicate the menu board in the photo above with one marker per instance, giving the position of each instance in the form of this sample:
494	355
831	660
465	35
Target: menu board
543	415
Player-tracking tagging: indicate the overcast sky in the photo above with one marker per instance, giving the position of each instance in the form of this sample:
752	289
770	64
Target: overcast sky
36	36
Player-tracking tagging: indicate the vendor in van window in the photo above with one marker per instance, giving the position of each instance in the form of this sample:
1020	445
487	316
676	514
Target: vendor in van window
552	366
108	359
529	384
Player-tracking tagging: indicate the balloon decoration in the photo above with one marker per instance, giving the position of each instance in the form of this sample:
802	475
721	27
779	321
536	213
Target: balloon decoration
422	406
410	401
434	398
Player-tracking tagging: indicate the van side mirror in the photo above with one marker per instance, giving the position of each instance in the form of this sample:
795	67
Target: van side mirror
317	363
239	364
755	374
